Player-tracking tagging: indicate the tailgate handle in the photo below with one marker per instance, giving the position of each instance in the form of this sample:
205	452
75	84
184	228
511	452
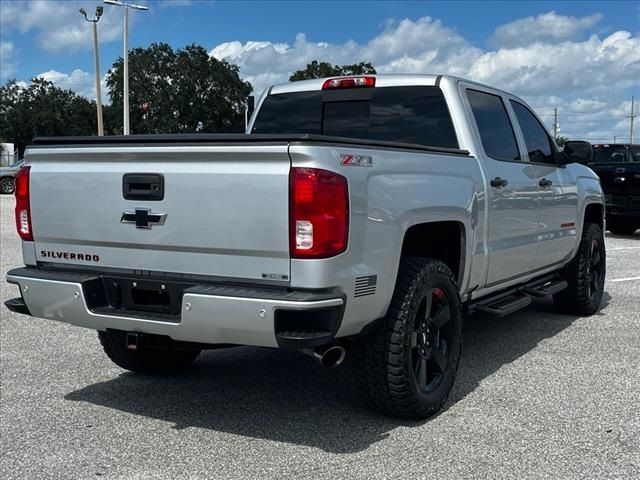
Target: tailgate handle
143	186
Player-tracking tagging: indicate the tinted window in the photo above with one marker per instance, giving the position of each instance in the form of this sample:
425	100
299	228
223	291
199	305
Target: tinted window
346	119
635	153
494	126
412	115
610	153
416	115
289	113
535	137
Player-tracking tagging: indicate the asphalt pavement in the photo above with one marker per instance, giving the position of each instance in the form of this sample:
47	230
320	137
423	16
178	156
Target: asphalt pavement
538	395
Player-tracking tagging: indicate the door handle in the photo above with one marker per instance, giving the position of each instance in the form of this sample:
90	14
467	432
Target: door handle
545	183
499	182
143	186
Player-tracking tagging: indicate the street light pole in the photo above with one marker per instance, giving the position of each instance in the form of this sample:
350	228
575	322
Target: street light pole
94	21
125	69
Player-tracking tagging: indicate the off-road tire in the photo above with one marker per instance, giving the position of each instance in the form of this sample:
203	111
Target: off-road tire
623	225
153	361
7	185
584	293
383	361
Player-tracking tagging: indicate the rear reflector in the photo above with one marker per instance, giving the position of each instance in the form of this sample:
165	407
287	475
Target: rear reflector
349	82
23	213
319	213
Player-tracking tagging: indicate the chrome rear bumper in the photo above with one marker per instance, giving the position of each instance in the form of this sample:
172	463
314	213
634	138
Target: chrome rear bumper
213	313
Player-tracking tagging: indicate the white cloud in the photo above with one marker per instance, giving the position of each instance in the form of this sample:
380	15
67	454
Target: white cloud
407	46
591	65
586	105
581	77
59	27
546	28
7	65
81	82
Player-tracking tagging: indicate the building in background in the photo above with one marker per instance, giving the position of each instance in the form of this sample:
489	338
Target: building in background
8	155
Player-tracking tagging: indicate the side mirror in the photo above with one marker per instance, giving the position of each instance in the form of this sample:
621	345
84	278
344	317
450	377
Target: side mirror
576	151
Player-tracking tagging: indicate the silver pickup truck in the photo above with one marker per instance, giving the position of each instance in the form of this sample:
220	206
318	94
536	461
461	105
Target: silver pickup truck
360	215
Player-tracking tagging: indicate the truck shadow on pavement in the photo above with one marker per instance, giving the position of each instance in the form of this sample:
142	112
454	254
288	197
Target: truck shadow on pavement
279	396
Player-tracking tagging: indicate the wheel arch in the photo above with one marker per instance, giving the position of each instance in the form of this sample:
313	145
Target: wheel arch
440	240
594	213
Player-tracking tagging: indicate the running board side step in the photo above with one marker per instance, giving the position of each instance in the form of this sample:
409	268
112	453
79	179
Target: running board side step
505	306
546	289
515	298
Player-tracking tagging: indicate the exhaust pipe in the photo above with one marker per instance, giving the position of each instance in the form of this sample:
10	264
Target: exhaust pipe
328	356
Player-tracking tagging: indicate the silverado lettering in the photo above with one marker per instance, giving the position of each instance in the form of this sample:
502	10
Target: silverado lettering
85	257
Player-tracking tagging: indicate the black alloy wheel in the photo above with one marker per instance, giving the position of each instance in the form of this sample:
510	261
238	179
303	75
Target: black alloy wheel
585	275
431	340
595	270
7	185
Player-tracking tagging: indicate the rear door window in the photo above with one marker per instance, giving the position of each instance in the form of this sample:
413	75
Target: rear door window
537	141
494	126
415	115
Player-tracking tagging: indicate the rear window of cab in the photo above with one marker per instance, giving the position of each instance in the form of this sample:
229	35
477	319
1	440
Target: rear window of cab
414	114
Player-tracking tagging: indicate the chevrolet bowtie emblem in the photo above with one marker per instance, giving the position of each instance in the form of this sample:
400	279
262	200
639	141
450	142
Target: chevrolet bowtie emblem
143	218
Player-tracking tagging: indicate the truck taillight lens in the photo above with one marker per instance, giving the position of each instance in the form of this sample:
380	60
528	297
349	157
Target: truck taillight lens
23	213
318	213
349	82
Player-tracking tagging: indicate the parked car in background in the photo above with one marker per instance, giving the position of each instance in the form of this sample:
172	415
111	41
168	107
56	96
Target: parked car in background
618	166
7	177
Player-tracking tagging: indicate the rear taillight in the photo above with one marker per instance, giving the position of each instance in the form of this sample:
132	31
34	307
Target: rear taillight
349	82
23	212
318	213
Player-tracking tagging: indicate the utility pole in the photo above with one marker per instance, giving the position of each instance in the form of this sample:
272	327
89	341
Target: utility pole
125	95
631	117
125	69
555	124
94	21
614	139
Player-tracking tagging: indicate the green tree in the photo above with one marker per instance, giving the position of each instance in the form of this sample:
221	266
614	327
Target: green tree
178	91
560	140
317	69
42	109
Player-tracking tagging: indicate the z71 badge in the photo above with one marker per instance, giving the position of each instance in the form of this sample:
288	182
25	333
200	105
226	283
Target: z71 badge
349	160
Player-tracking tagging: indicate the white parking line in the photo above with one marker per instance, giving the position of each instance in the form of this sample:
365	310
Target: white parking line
628	279
621	248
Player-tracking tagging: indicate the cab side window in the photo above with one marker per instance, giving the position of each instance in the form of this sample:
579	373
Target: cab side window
535	137
494	126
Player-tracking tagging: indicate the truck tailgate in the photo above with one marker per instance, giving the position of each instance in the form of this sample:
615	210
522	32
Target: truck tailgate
224	212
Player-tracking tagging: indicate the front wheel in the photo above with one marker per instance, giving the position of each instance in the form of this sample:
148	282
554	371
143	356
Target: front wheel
407	366
585	275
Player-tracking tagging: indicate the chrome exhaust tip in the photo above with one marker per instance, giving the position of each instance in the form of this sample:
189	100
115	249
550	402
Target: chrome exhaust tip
328	356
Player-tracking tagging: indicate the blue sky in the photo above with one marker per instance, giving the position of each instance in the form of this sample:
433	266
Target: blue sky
582	57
